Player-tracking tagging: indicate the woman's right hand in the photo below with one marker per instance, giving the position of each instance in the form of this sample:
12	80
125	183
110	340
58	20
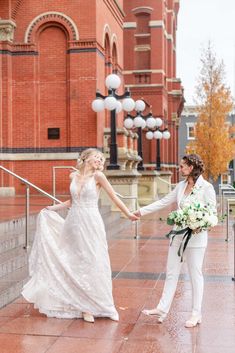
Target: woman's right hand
133	217
51	208
59	206
137	213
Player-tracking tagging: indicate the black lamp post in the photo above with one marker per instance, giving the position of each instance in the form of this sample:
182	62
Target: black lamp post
140	149
111	102
158	151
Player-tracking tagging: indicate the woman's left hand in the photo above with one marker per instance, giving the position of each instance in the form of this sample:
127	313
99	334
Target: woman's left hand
133	217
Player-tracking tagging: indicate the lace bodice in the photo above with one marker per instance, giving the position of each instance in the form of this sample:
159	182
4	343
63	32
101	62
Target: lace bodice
86	195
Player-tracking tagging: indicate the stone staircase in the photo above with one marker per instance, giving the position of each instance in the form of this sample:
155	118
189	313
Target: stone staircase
14	258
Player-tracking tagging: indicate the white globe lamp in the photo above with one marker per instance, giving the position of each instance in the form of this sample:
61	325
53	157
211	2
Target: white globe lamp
138	121
128	104
97	105
149	135
110	103
143	124
157	135
118	107
159	122
139	105
128	123
166	134
112	81
151	123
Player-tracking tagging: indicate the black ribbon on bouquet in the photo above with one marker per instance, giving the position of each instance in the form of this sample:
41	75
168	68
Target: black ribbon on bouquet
187	233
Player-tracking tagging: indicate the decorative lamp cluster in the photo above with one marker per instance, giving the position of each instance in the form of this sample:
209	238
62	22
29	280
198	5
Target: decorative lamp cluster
128	104
150	123
158	135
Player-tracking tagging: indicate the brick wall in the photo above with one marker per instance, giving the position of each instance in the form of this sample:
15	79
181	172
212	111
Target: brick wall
49	75
150	69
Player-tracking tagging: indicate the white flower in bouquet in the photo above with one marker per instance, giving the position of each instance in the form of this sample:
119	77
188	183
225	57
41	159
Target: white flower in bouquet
199	214
194	216
212	220
195	225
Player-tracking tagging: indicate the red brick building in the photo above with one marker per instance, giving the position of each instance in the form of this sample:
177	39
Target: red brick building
150	69
54	55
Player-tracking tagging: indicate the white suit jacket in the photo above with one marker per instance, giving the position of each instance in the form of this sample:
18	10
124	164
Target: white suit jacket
205	193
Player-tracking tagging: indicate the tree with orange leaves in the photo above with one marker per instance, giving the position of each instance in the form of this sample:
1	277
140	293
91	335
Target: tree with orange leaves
214	101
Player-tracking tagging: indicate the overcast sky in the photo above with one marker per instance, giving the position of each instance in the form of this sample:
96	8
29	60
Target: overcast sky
198	22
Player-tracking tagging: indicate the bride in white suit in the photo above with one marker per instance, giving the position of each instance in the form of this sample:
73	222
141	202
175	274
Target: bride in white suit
191	168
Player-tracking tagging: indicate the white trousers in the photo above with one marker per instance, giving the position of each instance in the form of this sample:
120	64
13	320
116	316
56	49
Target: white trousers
194	259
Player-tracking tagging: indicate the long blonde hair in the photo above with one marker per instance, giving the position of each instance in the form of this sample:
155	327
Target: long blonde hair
85	155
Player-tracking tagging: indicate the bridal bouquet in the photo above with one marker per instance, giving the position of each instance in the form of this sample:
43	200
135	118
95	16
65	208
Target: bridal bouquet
191	219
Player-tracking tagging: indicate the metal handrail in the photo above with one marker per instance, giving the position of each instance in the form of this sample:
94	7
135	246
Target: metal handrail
27	196
229	202
224	188
231	192
167	182
119	195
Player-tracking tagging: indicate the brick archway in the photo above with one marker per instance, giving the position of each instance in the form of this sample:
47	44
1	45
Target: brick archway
56	17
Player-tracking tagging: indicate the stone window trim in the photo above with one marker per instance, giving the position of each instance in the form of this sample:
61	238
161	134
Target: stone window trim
142	9
190	130
54	17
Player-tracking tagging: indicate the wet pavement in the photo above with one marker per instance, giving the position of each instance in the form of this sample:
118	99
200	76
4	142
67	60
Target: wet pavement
138	278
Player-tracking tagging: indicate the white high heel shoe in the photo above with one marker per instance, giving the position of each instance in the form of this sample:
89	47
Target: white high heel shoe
88	317
193	321
159	313
114	317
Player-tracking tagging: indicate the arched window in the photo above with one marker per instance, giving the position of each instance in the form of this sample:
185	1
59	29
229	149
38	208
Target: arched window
108	61
114	58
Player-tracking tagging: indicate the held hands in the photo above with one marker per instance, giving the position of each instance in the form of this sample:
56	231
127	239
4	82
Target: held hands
137	213
132	216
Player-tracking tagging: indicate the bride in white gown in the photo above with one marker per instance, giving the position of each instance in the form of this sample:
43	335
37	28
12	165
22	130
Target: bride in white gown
69	262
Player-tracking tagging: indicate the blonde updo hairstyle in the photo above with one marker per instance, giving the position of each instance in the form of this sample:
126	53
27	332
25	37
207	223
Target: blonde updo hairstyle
197	163
85	155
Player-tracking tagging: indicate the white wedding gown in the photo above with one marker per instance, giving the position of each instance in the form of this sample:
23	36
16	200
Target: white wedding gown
69	263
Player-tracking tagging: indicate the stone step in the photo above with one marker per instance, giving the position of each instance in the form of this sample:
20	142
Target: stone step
12	260
17	225
11	285
14	240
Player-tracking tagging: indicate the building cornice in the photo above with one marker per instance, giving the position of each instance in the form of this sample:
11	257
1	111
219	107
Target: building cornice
129	25
38	156
151	71
145	85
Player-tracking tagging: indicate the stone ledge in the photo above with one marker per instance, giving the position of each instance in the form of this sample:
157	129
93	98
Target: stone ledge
7	191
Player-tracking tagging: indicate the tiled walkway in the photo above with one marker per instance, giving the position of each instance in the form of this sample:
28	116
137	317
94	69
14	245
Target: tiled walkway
138	271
